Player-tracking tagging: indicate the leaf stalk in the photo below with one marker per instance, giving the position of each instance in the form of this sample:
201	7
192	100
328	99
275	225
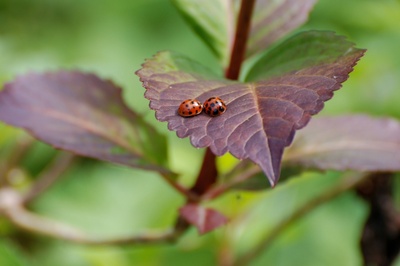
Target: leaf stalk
239	43
208	172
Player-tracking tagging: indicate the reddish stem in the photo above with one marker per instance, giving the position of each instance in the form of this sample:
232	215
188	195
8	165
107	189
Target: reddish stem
240	41
208	172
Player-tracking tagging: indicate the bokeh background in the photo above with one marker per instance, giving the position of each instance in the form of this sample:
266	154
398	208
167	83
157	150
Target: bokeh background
112	38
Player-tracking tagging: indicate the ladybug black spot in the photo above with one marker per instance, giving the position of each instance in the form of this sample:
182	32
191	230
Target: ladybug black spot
212	105
221	108
190	113
192	102
215	112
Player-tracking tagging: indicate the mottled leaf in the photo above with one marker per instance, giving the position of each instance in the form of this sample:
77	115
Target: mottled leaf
205	219
215	22
355	142
83	114
261	116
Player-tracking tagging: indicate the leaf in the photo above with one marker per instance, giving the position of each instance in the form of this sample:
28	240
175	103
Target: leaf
262	116
357	142
274	19
10	255
310	53
215	22
204	219
81	113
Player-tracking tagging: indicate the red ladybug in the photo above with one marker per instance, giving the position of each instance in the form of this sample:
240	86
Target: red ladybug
190	107
214	106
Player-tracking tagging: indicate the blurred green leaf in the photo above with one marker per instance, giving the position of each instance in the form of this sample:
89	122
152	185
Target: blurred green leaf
190	249
10	255
214	21
337	224
106	200
257	181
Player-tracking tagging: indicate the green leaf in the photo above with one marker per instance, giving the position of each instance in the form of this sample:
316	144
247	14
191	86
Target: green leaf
213	21
337	224
10	255
109	201
308	53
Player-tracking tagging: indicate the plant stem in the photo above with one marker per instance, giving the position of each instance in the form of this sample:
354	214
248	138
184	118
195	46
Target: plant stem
22	146
50	175
239	45
188	194
347	183
208	172
11	206
220	189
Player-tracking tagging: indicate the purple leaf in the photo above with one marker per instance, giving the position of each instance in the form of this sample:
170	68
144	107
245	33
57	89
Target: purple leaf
355	142
204	219
274	19
261	117
81	113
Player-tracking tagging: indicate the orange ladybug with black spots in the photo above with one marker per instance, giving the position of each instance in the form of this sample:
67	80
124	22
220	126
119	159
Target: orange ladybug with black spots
190	107
214	106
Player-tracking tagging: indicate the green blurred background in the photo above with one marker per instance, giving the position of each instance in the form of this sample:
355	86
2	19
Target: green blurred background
112	39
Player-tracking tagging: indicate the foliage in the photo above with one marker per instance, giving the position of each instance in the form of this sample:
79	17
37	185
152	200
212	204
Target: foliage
284	80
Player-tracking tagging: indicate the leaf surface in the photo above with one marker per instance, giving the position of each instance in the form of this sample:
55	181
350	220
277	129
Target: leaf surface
308	54
215	22
205	219
261	116
274	19
84	114
355	142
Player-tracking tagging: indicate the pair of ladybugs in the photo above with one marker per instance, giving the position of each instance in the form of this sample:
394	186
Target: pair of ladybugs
214	106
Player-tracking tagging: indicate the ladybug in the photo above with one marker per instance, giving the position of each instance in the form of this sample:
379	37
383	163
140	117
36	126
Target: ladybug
214	106
190	107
